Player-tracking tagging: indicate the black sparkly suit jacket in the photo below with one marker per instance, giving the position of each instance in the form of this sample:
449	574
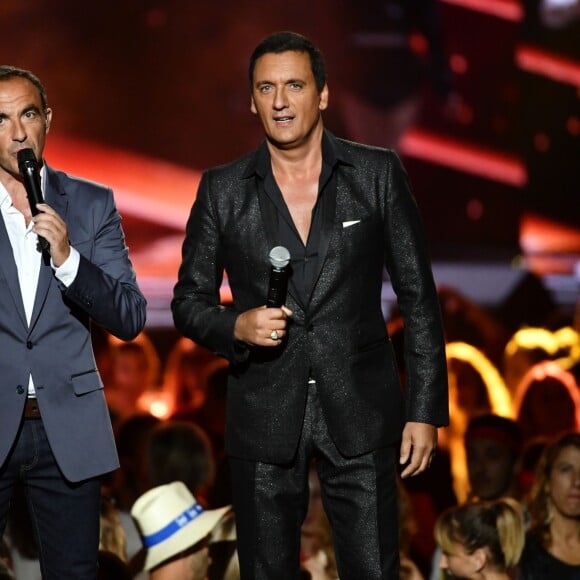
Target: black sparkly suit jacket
339	337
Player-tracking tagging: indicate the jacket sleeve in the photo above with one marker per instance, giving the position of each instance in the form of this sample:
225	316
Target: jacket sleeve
105	285
409	267
197	311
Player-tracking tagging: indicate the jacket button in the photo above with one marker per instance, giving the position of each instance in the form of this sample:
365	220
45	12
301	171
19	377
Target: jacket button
29	345
20	389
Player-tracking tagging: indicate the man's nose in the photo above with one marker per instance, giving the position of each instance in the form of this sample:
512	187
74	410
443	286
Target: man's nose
18	132
280	100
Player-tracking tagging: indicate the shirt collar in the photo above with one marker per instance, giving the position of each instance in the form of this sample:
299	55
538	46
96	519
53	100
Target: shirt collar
332	154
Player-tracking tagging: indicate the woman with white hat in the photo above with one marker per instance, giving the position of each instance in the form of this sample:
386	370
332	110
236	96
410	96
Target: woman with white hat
175	530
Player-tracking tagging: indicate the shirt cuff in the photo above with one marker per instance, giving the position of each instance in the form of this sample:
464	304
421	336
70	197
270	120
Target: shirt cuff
67	271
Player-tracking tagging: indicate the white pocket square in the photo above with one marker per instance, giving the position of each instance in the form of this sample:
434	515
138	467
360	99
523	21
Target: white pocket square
351	223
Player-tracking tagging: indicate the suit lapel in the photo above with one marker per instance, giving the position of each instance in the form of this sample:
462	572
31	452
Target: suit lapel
8	266
328	222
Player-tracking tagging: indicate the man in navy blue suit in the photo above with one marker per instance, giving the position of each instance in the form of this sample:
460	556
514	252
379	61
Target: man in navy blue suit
55	433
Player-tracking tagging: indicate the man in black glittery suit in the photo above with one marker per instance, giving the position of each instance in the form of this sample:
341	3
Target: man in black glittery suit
317	377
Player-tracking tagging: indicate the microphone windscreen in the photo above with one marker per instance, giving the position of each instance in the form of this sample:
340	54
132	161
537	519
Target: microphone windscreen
26	158
279	257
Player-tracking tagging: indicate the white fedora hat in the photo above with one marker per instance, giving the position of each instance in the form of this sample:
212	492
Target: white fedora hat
171	520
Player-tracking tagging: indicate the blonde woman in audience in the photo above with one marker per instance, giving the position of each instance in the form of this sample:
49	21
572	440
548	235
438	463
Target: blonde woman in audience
553	543
482	540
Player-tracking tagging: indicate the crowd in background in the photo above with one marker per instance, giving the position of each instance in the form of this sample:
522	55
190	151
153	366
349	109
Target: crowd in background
514	433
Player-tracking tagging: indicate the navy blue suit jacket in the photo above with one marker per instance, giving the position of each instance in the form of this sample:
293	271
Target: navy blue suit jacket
56	346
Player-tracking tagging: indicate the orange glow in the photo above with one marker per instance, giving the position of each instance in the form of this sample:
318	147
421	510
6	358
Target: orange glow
157	403
144	187
539	234
499	398
553	66
464	156
505	9
549	246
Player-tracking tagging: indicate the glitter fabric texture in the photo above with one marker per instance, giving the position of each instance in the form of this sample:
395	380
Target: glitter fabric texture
339	336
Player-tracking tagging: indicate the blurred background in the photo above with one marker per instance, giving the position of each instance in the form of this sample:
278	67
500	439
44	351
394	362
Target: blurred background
479	97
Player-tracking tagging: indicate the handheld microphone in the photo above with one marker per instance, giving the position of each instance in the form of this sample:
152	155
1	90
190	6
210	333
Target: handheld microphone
279	258
28	167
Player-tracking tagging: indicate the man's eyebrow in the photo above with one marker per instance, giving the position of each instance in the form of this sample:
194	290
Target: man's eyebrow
31	108
286	82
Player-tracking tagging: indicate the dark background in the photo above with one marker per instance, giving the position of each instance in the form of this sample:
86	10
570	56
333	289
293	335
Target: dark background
167	81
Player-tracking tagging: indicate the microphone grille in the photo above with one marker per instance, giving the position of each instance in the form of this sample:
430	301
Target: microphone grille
279	257
26	157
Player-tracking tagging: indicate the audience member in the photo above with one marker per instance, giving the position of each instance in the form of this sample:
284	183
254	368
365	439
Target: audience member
475	388
553	543
131	479
493	446
135	374
482	540
181	451
547	401
211	415
531	456
5	562
466	321
112	538
185	376
176	531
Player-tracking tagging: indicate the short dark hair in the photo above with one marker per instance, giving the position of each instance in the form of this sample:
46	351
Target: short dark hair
8	72
501	429
284	41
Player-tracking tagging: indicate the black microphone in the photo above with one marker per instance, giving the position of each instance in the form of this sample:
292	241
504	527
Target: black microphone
279	258
28	167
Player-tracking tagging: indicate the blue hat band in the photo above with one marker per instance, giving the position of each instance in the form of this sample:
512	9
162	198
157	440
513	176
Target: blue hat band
174	526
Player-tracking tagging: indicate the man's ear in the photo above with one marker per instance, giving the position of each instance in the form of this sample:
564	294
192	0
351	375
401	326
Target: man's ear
47	119
323	98
253	106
